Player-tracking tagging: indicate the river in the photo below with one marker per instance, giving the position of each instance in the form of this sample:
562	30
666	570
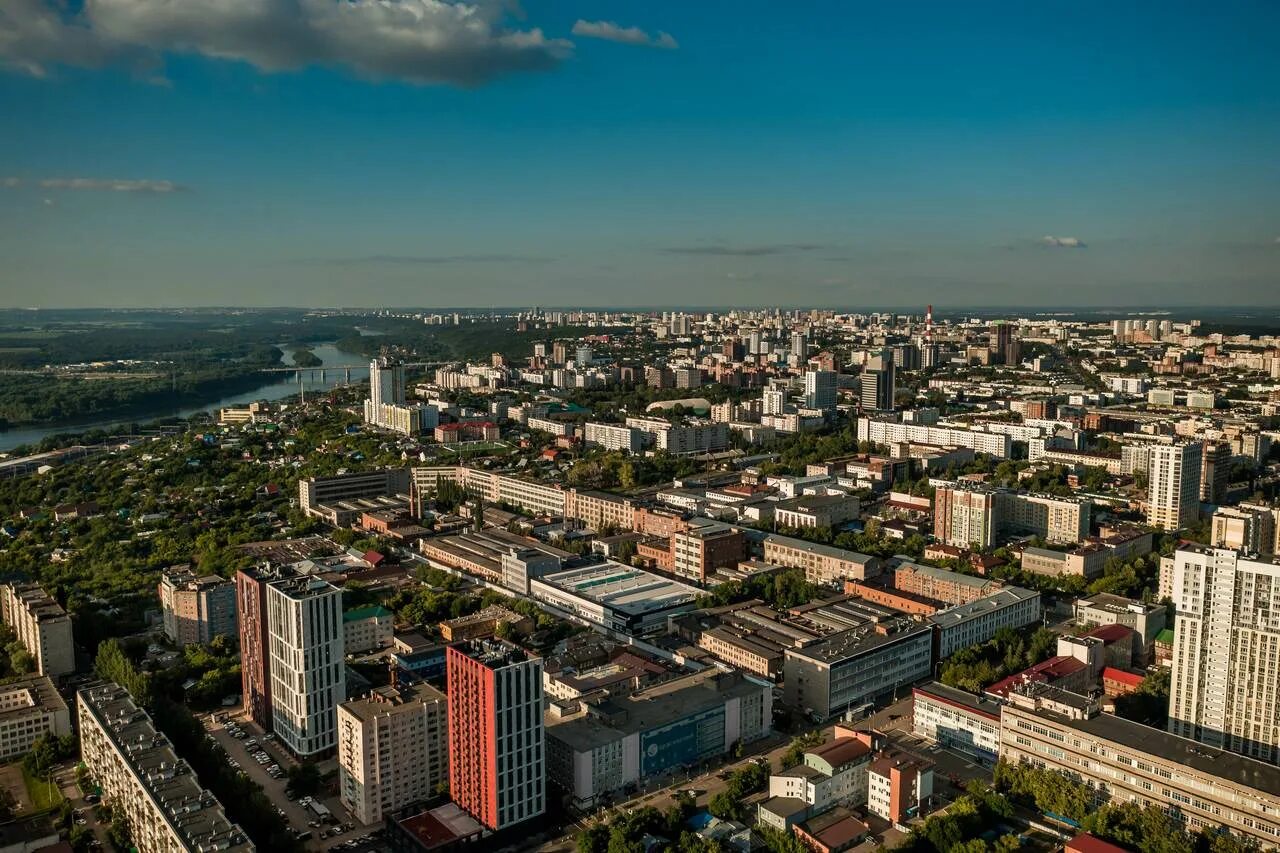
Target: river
276	386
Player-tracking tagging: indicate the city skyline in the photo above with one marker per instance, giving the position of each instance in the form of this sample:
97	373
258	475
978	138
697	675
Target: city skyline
625	156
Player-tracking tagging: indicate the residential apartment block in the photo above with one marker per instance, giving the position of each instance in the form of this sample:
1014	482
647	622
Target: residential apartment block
393	749
143	779
496	740
1225	691
291	645
822	564
196	609
978	516
1174	485
42	626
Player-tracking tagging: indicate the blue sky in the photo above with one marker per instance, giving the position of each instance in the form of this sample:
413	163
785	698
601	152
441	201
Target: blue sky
274	152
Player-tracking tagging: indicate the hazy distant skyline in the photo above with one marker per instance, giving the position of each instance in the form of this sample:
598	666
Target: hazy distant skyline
427	154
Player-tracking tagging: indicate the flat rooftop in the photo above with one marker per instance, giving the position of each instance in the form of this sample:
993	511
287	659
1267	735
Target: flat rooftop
623	588
1008	596
860	641
33	694
652	708
953	696
195	814
1177	750
385	700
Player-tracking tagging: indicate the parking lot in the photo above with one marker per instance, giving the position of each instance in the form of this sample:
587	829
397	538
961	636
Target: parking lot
245	744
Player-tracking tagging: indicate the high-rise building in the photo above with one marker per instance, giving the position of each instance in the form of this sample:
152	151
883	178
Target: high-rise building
1224	691
800	346
41	625
144	782
386	382
820	390
392	749
878	382
1252	528
386	406
1174	485
1215	470
196	609
497	769
291	646
774	401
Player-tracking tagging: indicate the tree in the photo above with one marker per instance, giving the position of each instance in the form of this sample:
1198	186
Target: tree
304	779
593	839
22	662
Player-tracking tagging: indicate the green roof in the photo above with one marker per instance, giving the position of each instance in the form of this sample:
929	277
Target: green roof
371	611
1165	636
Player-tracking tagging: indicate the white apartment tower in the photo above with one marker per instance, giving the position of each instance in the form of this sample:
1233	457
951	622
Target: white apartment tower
305	654
1225	688
1174	485
386	382
820	390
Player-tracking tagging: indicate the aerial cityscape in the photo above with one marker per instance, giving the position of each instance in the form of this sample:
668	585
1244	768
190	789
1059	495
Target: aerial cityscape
594	428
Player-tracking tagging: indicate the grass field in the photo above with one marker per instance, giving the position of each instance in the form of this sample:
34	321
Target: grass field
44	796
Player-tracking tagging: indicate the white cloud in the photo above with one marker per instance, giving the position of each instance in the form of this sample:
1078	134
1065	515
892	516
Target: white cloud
418	41
10	183
1062	242
609	31
118	185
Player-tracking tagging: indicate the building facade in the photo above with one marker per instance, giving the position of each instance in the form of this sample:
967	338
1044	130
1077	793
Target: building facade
144	780
30	708
1123	761
855	667
1174	485
197	609
41	625
305	662
1224	690
393	749
957	720
497	770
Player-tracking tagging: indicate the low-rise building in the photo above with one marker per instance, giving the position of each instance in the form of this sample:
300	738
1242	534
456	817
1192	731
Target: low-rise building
30	708
978	621
146	782
1146	620
1122	761
830	775
615	596
617	740
483	623
816	511
849	669
957	720
899	786
393	749
822	564
367	628
941	584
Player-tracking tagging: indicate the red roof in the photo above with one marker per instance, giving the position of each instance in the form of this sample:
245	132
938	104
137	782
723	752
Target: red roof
1050	670
373	558
1111	633
1110	673
1086	843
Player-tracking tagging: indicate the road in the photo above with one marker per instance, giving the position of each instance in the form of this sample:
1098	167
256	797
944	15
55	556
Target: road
299	818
